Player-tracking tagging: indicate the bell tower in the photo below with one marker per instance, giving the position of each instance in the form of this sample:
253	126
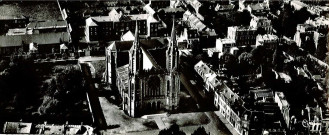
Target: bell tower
172	79
135	65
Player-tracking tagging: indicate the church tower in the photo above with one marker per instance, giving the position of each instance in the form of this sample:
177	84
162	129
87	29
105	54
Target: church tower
135	66
172	79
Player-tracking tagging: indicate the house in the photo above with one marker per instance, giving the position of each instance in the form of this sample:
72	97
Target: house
17	128
242	35
225	45
154	27
189	36
46	42
246	116
194	22
261	22
284	106
267	40
111	27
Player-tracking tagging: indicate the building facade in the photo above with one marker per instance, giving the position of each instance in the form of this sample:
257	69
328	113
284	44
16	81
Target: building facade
261	22
149	80
113	26
242	35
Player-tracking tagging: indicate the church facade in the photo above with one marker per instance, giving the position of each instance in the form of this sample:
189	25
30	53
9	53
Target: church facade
146	74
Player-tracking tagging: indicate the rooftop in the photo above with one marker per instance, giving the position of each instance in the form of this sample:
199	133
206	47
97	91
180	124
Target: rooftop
47	24
227	41
268	37
17	128
40	39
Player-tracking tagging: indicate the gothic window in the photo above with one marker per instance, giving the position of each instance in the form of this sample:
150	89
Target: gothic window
154	85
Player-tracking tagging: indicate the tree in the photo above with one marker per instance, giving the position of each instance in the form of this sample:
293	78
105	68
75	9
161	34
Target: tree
261	55
243	18
172	130
261	31
246	63
287	27
246	58
200	131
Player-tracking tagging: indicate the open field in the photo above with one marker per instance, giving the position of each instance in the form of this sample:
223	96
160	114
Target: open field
36	10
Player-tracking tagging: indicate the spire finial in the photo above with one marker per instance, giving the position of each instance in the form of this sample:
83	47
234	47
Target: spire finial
173	32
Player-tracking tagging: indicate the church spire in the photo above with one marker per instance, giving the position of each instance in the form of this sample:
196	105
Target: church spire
136	42
173	32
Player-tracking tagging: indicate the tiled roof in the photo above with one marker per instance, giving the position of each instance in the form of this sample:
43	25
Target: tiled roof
47	24
194	21
17	31
11	17
106	18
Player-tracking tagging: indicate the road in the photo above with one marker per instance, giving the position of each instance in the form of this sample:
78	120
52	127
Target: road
92	96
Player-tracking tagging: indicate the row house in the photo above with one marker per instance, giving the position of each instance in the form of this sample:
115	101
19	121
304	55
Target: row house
153	27
230	105
44	43
111	27
242	35
311	117
39	27
157	4
49	26
261	22
267	40
204	70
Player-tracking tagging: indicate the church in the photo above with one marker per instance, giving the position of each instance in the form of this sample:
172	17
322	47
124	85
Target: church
146	74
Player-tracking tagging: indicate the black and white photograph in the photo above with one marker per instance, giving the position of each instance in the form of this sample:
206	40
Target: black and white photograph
164	67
